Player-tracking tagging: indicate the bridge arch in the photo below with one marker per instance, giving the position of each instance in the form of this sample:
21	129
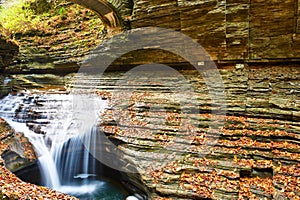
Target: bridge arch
112	12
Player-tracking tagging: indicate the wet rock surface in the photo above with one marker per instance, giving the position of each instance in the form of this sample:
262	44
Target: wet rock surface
253	151
21	83
16	150
16	153
8	50
46	112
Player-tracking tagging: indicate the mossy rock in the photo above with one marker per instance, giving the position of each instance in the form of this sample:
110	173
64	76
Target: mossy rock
41	6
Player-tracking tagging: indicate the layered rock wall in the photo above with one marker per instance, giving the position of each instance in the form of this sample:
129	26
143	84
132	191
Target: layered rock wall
255	154
8	50
229	30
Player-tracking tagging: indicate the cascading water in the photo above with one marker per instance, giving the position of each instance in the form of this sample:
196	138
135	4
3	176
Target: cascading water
60	140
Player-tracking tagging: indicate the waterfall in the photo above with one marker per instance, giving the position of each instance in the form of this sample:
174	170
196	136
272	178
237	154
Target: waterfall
49	123
48	165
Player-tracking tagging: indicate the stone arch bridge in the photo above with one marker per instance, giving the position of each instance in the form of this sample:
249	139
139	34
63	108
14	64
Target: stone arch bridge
110	12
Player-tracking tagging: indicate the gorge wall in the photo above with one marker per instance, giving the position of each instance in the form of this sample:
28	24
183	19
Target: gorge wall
254	155
257	153
8	50
230	30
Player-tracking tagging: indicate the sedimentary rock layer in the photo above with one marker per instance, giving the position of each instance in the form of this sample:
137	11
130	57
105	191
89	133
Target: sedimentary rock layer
8	50
254	153
229	30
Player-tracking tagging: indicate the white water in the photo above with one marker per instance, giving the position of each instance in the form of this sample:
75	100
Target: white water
64	131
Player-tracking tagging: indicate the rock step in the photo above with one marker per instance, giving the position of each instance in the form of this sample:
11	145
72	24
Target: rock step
256	146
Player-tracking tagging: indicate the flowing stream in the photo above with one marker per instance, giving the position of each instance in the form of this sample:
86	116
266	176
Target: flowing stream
52	126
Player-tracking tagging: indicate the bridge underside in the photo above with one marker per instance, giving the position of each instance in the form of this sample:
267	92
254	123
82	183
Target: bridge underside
110	12
104	10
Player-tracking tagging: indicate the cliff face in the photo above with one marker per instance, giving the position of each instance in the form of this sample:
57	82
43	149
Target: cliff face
8	50
59	43
229	30
255	154
17	153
